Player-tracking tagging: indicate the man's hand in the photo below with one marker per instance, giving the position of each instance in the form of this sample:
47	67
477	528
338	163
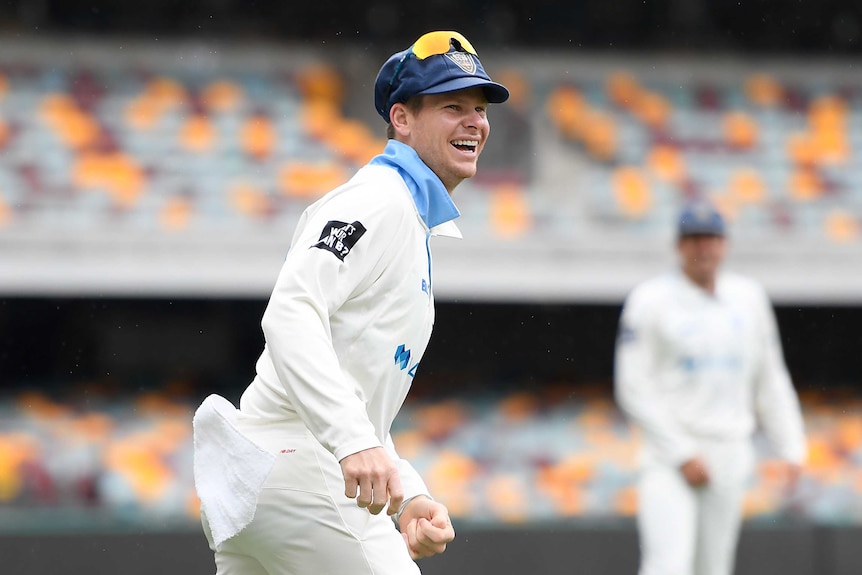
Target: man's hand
695	472
374	474
426	527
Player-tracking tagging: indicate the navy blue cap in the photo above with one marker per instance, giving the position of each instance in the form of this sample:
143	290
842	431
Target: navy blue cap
404	76
700	219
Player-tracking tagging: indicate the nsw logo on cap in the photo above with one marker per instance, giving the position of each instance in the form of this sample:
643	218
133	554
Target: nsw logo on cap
463	60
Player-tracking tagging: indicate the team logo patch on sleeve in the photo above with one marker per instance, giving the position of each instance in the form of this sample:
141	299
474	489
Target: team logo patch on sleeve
339	237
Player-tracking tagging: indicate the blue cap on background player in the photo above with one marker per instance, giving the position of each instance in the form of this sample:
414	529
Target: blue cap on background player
438	62
700	218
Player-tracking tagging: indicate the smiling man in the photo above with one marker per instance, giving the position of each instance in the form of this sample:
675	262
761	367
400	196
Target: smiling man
698	366
313	463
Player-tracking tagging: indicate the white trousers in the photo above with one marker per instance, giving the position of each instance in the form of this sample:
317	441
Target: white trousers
304	524
693	531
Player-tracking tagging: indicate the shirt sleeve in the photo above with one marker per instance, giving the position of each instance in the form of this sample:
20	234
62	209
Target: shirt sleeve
776	401
635	382
411	481
338	250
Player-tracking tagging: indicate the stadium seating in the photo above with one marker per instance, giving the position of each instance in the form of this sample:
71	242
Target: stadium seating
777	158
88	147
169	149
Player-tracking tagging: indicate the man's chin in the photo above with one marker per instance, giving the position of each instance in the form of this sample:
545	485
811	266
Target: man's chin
467	172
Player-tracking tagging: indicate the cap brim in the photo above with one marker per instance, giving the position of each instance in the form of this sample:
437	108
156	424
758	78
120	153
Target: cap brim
496	93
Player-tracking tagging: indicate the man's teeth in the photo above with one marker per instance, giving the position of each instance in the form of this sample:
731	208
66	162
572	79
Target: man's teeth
468	143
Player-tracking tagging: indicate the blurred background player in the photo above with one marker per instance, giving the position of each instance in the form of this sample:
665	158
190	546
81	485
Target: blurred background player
346	327
698	364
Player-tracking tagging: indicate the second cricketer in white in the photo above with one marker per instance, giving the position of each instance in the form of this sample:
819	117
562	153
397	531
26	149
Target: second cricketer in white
698	366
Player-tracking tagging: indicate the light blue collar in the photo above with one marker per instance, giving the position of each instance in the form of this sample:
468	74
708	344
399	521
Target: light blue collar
433	202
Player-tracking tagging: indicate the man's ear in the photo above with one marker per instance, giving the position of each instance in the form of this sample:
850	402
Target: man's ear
399	117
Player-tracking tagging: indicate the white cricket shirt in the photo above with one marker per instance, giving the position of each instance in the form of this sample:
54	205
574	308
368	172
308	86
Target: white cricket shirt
352	310
692	364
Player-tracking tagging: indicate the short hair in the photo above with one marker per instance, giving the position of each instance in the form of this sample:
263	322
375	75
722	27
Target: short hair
414	104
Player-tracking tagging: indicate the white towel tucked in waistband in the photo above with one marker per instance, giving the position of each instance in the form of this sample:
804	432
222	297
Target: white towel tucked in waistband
229	468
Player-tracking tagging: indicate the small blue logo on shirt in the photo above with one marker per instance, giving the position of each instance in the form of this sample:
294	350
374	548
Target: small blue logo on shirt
424	285
723	363
402	356
402	359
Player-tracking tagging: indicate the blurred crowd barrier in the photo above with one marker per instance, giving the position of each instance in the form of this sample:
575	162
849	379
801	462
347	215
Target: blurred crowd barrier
510	458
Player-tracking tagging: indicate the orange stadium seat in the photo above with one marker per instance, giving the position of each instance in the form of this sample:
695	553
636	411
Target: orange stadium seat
599	133
197	133
623	89
848	432
565	483
510	211
632	193
320	82
75	128
842	227
567	110
310	179
740	130
134	460
159	403
160	96
667	163
438	420
223	95
626	501
746	186
652	108
5	133
727	202
166	92
175	214
39	406
801	149
805	184
518	407
823	462
249	200
827	113
143	112
114	172
763	90
319	119
15	450
506	497
6	212
353	140
95	427
520	90
450	474
410	443
258	136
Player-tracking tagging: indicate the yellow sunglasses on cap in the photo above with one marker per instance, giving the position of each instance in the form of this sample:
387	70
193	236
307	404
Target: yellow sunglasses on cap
439	42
